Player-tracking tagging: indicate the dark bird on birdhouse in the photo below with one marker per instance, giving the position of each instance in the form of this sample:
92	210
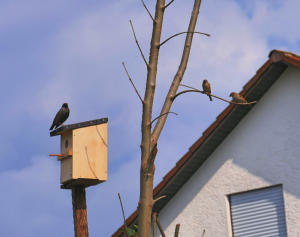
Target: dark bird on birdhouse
206	88
237	98
61	116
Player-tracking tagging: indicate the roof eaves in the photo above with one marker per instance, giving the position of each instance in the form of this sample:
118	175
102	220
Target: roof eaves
287	57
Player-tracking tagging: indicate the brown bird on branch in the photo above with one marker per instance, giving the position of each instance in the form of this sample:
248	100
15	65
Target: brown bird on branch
237	98
61	116
206	88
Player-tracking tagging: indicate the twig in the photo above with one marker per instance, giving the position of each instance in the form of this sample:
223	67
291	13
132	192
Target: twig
203	233
185	32
168	4
138	44
132	82
157	199
147	10
177	230
123	214
220	98
160	227
163	115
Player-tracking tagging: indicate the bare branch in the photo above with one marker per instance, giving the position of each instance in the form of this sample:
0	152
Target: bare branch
163	115
157	199
185	32
220	98
177	230
179	74
143	56
147	10
160	227
123	214
168	4
186	91
132	82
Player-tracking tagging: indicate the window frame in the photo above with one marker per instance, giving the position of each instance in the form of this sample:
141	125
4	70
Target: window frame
228	205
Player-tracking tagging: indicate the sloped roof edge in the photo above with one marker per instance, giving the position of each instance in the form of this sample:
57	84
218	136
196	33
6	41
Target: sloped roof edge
275	65
73	126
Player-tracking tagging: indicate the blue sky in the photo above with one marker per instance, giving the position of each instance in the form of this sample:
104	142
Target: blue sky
71	51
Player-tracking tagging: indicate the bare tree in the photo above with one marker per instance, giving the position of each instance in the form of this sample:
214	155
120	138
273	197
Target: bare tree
151	135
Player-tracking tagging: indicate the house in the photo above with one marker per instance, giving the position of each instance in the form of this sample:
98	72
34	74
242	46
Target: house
242	176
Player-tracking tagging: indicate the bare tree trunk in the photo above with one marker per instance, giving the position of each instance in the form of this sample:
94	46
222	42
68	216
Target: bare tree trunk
154	225
79	212
149	138
146	198
147	169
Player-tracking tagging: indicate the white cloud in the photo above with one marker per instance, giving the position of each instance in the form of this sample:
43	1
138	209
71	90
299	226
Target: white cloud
40	208
87	60
278	22
34	201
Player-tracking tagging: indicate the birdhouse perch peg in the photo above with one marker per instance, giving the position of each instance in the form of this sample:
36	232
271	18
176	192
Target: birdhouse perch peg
83	154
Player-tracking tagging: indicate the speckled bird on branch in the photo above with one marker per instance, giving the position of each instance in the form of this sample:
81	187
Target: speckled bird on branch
237	98
61	116
206	88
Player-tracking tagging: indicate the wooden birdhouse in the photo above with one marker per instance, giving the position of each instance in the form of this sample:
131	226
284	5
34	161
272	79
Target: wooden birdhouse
83	155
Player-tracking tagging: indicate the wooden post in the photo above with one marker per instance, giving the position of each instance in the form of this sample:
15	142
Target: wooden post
79	212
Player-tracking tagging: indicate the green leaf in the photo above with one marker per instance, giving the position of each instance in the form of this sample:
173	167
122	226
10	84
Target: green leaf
130	232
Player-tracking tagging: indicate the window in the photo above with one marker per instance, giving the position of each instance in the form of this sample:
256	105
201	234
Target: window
258	213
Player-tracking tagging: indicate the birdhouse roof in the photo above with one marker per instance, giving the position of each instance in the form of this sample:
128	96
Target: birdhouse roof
73	126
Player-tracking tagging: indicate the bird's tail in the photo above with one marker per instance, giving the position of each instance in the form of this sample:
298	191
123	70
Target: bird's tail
209	97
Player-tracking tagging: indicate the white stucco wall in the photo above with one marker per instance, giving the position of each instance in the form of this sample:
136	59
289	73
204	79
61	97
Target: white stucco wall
262	150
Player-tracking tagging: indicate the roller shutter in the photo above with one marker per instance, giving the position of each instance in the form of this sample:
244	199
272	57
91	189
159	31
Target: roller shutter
258	213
